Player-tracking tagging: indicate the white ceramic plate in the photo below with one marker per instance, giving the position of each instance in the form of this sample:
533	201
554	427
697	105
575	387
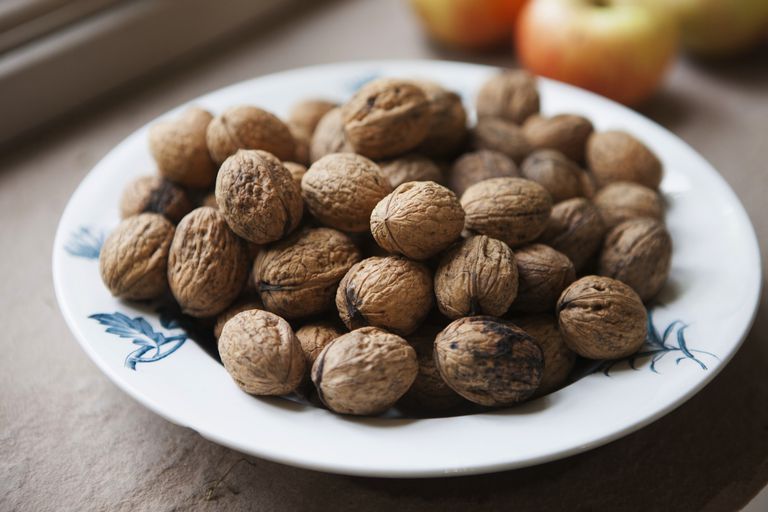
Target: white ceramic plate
708	307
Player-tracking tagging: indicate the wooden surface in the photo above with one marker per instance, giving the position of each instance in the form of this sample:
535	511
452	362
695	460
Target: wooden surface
70	440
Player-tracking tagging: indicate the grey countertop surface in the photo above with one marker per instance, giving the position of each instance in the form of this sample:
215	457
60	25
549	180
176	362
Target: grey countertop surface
71	440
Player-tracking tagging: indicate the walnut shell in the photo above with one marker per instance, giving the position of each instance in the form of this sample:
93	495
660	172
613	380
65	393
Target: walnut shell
477	166
297	172
448	121
624	200
602	318
207	263
342	189
245	304
418	219
314	337
386	118
392	292
511	95
559	360
153	194
364	372
133	260
477	276
576	229
246	127
503	136
638	252
618	156
329	136
489	361
210	200
298	276
542	274
261	353
562	178
302	141
567	133
258	196
179	147
306	114
513	210
410	168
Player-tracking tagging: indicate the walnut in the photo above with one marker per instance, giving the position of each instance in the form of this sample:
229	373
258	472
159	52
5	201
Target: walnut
342	189
247	127
364	372
542	274
638	252
411	168
623	200
477	276
261	353
306	114
477	166
567	133
302	141
314	337
448	121
297	172
298	276
503	136
329	136
133	260
386	118
258	196
489	361
513	210
576	229
418	219
207	263
392	292
180	150
602	318
153	194
210	200
618	156
559	360
511	95
244	304
562	178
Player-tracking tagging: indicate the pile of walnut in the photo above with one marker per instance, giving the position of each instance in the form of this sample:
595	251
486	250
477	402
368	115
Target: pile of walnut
416	262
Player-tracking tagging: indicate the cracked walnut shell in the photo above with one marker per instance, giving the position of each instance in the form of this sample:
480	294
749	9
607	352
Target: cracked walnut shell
618	156
247	127
576	229
179	147
542	274
477	166
153	194
511	95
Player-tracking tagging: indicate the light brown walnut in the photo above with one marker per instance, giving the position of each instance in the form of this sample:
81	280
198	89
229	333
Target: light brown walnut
179	147
153	194
618	156
448	121
511	95
562	178
542	274
240	305
410	168
559	360
302	141
329	136
314	337
566	133
297	172
477	166
624	200
502	136
576	229
247	127
306	114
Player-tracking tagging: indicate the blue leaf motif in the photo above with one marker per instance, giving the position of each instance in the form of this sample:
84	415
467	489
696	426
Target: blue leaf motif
86	242
360	81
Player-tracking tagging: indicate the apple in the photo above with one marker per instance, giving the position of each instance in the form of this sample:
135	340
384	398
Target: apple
615	48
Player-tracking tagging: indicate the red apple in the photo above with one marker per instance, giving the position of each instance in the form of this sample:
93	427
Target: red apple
616	48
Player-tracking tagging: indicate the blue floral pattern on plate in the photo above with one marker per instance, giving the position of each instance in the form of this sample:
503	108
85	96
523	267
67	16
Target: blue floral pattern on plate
86	242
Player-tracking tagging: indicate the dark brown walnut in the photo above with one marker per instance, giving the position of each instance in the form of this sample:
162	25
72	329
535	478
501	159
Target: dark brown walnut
410	168
448	121
392	292
133	260
247	127
558	358
576	229
258	196
418	220
364	372
511	95
501	135
386	118
476	277
243	304
329	136
153	194
489	361
342	189
261	353
638	252
306	114
207	263
298	276
179	147
618	156
302	141
602	318
566	133
542	274
477	166
562	178
514	210
210	200
314	337
624	200
297	172
588	184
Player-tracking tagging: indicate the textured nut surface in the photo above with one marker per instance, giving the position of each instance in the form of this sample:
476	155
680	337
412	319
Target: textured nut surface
624	200
477	166
246	127
329	136
618	156
418	220
245	304
602	318
207	263
562	178
298	276
542	274
342	189
364	372
261	353
513	210
511	95
307	113
179	147
489	361
133	260
448	121
392	292
386	118
410	168
503	136
576	229
297	172
302	141
258	196
638	252
558	358
567	133
153	194
314	337
476	277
